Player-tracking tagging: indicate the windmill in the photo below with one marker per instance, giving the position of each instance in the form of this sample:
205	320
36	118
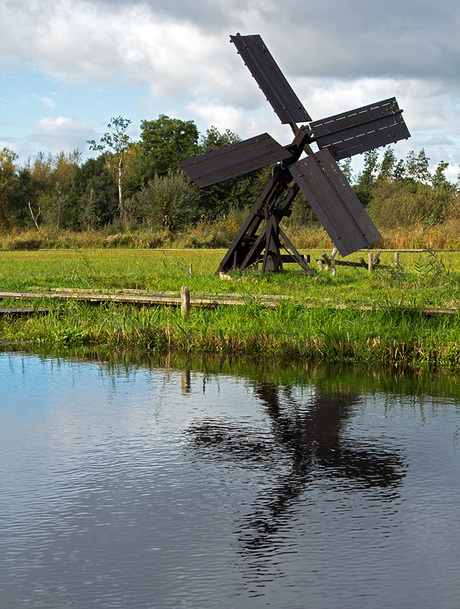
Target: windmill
297	167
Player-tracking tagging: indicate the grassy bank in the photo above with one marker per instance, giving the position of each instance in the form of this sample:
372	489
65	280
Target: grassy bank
382	319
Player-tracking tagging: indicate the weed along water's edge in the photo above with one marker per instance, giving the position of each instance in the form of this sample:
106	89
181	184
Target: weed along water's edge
391	316
287	332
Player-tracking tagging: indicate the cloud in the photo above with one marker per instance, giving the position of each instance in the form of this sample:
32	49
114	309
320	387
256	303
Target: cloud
46	101
60	134
337	55
179	46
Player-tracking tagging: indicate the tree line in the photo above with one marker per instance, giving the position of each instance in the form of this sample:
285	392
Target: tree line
137	183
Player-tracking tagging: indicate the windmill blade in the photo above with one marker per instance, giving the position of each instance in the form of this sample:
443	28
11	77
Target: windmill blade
334	202
270	79
234	160
360	130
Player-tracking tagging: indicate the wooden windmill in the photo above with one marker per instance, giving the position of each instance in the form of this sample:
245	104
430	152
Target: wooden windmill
316	173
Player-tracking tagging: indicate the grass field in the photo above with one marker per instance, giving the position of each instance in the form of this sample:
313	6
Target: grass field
382	319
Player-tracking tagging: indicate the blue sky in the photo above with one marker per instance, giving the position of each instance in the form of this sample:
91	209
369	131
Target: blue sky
68	67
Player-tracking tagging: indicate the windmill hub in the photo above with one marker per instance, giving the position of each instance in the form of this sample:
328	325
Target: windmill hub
316	174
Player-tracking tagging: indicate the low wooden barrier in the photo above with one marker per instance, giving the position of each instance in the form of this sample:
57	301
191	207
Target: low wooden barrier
186	300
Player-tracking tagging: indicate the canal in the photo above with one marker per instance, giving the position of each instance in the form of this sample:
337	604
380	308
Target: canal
175	483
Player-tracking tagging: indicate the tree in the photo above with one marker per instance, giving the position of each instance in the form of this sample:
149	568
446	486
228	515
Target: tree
52	207
93	193
399	171
345	167
8	183
164	142
116	140
367	178
213	139
439	180
387	166
417	166
45	188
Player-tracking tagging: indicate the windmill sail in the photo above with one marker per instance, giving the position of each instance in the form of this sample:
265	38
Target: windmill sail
335	203
234	160
270	79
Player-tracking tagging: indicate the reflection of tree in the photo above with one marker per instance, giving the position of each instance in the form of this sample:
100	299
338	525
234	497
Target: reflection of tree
303	442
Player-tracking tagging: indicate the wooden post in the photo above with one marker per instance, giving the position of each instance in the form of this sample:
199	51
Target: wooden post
320	265
184	301
370	264
190	270
396	258
333	255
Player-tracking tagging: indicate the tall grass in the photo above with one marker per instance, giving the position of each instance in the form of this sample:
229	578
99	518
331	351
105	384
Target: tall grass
397	335
209	235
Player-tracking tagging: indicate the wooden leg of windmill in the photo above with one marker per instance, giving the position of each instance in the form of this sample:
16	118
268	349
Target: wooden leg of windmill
295	254
243	244
272	257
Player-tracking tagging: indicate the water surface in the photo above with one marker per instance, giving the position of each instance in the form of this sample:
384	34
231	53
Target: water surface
220	485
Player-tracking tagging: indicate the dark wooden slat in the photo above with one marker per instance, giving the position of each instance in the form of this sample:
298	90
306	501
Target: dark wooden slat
357	140
352	118
360	130
234	160
335	203
270	79
326	205
353	205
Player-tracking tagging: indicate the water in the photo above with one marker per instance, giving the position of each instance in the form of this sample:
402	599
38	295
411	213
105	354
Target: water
219	485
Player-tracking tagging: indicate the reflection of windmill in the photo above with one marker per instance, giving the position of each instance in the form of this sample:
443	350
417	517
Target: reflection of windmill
305	441
317	174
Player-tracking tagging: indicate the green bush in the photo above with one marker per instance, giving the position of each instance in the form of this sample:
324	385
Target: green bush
167	201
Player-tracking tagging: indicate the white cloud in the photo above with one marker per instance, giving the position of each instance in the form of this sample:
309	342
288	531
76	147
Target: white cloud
46	101
60	134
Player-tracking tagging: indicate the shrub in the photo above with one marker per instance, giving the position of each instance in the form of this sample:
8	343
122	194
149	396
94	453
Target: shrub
167	201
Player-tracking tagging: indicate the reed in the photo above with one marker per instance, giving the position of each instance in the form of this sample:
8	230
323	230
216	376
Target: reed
219	234
396	335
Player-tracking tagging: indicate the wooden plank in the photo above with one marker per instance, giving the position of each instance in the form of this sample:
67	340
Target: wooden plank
142	299
355	117
360	130
325	203
335	203
360	139
234	160
205	301
270	79
353	205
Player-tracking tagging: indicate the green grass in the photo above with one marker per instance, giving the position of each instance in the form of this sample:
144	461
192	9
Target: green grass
392	329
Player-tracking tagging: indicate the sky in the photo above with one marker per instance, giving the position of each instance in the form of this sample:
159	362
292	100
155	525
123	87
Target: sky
68	66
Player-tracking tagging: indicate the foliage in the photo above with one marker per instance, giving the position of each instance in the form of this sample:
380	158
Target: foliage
167	201
213	139
367	177
8	183
164	142
415	196
93	194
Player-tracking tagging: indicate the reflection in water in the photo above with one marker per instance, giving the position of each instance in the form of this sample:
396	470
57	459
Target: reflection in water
160	485
304	442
